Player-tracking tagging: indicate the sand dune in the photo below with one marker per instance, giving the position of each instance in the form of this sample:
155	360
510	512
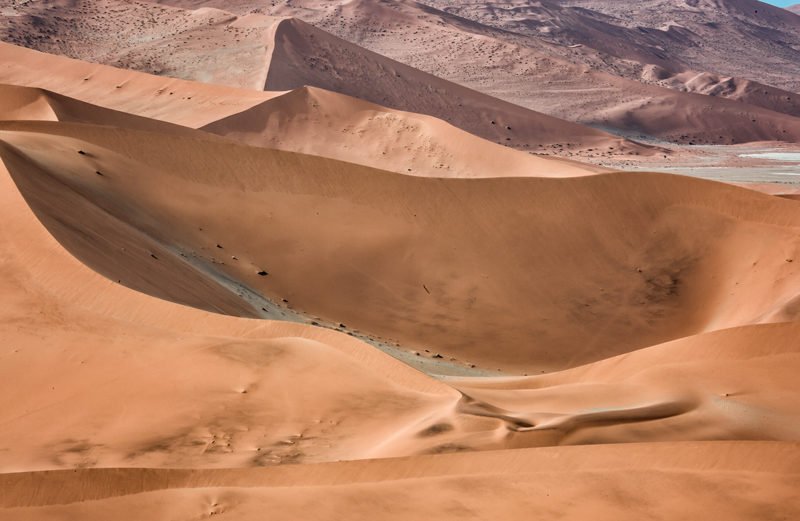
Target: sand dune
733	384
343	67
585	66
237	392
332	125
322	123
32	104
520	45
737	89
727	38
305	305
230	394
526	299
175	101
290	54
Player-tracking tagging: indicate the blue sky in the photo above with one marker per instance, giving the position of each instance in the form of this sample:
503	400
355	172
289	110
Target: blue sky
781	3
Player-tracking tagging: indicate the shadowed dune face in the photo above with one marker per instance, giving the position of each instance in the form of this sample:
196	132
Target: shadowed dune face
107	376
340	66
430	263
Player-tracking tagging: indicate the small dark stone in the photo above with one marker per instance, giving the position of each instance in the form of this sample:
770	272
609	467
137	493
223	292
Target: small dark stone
262	273
81	152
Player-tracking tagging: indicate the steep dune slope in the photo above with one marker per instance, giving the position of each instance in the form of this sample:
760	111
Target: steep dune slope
304	55
494	272
549	72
